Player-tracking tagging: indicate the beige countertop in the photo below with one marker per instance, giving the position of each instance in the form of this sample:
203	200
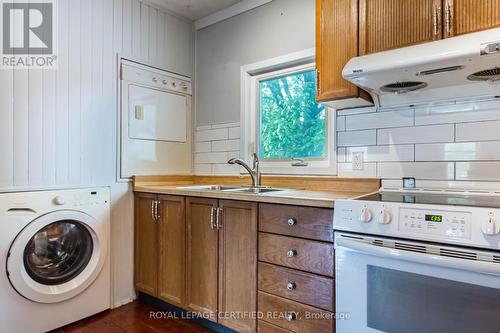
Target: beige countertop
324	199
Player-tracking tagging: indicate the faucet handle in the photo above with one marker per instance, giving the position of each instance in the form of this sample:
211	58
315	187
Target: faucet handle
255	160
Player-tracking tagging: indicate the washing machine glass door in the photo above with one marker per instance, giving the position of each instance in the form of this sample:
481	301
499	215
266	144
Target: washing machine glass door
56	256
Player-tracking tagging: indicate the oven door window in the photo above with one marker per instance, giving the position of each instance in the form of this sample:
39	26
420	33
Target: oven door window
400	301
58	252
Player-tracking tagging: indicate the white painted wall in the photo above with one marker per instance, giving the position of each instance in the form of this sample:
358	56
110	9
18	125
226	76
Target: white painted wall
274	29
58	128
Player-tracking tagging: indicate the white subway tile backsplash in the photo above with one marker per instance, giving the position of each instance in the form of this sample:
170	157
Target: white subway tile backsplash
369	170
417	134
226	145
203	128
479	171
234	132
419	170
426	116
226	169
356	111
212	134
226	125
357	138
340	123
398	118
478	131
203	169
389	153
467	151
202	147
200	158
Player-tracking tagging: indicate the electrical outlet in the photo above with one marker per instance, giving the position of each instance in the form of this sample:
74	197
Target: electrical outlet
358	161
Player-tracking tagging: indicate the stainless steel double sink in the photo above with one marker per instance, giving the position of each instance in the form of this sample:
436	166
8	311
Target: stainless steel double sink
224	188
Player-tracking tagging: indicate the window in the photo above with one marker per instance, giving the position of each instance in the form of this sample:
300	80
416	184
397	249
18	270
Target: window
283	123
292	124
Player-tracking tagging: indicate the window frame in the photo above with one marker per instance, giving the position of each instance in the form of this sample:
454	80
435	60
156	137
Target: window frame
251	75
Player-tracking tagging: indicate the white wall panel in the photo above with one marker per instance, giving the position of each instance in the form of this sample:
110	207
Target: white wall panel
58	127
6	127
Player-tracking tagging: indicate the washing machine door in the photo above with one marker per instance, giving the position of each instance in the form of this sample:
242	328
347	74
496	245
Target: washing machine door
56	256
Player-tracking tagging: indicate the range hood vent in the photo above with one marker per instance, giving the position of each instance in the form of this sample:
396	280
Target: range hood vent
403	87
451	69
492	74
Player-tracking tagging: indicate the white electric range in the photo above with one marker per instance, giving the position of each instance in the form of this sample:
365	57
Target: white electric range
417	261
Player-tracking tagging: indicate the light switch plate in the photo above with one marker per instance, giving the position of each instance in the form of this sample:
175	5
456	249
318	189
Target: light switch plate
358	161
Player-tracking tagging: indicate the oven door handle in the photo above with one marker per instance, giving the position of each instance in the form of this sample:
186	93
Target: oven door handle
421	258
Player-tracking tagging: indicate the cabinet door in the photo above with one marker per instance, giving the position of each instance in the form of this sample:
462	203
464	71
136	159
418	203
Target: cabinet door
389	24
172	249
238	263
465	16
145	254
336	43
202	256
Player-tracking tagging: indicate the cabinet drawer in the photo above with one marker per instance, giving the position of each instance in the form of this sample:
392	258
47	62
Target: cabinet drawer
314	290
294	316
304	222
265	327
305	255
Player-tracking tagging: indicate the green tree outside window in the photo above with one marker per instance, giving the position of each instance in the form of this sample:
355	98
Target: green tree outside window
292	123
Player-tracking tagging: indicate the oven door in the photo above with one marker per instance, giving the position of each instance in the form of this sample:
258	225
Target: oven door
389	285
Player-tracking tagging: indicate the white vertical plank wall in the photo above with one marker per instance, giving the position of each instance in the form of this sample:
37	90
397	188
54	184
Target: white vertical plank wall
58	127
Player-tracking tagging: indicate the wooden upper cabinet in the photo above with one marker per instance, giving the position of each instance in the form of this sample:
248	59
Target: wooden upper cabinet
465	16
171	249
238	264
390	24
336	43
145	253
202	243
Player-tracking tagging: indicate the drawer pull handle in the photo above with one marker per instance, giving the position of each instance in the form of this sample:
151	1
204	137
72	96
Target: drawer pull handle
291	253
291	222
291	316
291	286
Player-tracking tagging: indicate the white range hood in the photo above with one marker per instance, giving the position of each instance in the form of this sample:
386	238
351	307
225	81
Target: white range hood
455	68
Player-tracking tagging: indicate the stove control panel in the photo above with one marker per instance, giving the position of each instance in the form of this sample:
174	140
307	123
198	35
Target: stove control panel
433	222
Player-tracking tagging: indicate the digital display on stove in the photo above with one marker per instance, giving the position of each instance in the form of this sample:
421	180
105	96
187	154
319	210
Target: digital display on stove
434	218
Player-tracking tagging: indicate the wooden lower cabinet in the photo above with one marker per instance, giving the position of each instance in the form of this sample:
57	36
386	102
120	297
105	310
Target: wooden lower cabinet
202	256
238	265
160	247
222	261
294	316
171	249
145	247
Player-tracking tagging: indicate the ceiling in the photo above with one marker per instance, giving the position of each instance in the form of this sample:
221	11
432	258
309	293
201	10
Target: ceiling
194	9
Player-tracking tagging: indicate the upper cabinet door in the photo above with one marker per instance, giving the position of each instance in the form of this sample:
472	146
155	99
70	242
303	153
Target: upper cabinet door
390	24
336	43
465	16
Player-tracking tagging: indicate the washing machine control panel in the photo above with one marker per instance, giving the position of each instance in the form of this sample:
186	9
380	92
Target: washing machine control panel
80	199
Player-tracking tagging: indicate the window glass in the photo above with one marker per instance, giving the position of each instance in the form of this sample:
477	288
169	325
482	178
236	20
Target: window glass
292	123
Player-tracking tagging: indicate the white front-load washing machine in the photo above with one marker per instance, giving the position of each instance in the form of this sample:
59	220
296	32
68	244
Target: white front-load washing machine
55	266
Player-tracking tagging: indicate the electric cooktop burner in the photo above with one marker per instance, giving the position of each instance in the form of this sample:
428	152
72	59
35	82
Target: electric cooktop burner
442	198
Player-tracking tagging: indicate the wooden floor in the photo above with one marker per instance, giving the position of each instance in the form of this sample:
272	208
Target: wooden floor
131	318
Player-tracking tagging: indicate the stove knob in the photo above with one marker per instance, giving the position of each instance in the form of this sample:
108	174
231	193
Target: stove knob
490	227
59	200
366	215
384	217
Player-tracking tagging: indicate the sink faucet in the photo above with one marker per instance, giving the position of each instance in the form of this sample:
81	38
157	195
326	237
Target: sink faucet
254	173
